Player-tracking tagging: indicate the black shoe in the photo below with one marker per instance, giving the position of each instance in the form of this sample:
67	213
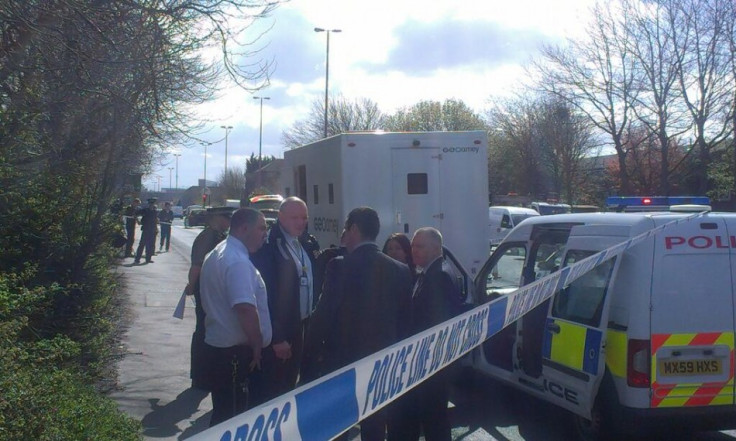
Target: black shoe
137	262
149	261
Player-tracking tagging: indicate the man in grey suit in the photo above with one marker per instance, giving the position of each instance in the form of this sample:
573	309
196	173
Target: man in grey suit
376	291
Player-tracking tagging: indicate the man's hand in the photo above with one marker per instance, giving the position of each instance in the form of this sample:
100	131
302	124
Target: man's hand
256	363
188	289
282	350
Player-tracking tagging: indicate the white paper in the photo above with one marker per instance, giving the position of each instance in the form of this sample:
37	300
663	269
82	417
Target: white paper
179	311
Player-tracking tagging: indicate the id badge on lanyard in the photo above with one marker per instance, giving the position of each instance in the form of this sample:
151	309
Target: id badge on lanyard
305	300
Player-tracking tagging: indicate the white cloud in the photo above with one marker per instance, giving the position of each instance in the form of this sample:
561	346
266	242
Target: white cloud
395	52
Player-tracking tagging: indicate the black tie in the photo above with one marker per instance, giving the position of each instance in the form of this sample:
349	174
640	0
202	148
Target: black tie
418	283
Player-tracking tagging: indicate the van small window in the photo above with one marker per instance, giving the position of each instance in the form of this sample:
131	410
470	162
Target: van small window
505	221
316	195
417	183
330	194
582	301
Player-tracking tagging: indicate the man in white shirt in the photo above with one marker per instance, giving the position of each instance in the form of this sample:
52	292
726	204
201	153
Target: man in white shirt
237	323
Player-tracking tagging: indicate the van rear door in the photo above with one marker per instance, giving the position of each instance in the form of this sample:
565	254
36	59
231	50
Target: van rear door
577	319
692	315
416	188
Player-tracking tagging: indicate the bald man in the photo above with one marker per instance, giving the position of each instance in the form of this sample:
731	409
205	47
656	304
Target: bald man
286	263
436	297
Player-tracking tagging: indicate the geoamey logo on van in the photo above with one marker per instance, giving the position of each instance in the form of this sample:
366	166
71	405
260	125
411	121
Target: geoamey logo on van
460	149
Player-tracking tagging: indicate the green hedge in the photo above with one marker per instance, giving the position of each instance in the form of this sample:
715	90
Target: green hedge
48	379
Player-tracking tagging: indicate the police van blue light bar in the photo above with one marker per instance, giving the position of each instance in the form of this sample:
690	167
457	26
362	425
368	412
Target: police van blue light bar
652	203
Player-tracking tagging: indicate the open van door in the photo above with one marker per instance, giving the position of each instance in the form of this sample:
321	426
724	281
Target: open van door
573	355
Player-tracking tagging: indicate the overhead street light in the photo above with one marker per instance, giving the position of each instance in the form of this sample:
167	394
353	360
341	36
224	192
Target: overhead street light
227	130
170	169
205	144
260	135
327	69
176	155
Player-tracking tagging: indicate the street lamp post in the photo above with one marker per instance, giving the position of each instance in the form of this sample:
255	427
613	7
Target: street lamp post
204	184
227	130
170	169
327	69
176	155
260	136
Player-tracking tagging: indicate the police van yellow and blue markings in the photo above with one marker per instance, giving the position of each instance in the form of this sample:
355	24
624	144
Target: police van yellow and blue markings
689	394
616	352
574	346
330	405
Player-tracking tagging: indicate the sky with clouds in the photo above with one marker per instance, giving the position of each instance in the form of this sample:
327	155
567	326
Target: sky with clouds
395	52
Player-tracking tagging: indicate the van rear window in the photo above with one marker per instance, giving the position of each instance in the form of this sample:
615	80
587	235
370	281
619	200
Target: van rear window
417	183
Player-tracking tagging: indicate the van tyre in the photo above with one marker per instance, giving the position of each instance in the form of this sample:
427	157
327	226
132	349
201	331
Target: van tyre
604	422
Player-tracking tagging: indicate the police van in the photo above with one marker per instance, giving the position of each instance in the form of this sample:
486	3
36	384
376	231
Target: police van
645	337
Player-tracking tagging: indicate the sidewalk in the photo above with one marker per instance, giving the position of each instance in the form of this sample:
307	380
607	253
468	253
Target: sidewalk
153	375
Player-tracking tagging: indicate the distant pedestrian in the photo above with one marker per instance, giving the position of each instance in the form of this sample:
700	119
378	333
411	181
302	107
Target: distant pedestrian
435	299
218	221
149	229
286	263
130	215
237	324
376	290
165	219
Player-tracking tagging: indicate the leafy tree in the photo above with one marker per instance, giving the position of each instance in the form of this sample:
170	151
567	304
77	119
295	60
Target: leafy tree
704	73
597	75
537	147
232	182
344	116
433	116
89	91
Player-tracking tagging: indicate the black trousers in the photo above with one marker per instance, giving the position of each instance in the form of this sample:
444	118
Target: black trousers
227	378
148	241
422	409
199	350
165	236
372	428
277	376
130	230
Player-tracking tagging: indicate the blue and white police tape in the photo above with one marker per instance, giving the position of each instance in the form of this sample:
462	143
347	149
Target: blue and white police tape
329	406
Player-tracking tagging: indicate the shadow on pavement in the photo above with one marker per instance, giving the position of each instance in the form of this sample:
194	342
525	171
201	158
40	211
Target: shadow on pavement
199	425
482	406
162	421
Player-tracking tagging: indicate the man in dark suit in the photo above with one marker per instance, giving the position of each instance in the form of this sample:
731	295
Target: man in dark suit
319	342
286	264
149	229
375	290
435	299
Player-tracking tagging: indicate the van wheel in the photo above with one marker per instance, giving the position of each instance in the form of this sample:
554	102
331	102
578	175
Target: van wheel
590	430
604	424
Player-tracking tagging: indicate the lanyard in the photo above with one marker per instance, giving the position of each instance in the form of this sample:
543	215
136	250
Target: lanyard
300	255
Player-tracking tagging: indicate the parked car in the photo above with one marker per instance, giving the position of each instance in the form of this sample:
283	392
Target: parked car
502	219
178	211
197	217
268	204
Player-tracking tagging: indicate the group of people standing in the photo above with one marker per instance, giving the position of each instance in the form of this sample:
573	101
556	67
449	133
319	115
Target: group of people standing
274	311
150	218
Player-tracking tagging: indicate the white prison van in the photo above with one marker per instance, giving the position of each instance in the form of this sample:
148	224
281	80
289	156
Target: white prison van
642	339
413	180
501	219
